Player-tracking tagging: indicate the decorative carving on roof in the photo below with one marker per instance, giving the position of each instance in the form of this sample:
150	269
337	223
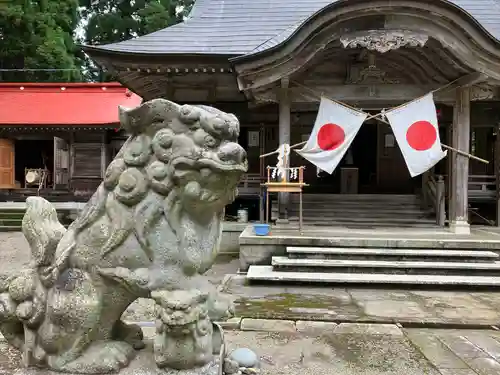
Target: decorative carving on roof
482	92
384	40
368	75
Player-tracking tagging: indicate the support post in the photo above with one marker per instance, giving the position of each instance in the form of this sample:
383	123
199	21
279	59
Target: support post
459	223
449	167
284	137
497	174
440	201
425	181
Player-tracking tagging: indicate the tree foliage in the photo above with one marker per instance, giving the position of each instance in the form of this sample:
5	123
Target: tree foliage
40	34
112	21
37	35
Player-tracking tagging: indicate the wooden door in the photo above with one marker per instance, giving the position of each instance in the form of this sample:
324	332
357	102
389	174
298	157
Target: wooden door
6	164
393	176
61	163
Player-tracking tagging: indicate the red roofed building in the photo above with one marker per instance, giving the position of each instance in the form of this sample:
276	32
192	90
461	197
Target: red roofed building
58	138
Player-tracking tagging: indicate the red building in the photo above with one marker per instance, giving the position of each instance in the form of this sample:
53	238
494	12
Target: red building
57	139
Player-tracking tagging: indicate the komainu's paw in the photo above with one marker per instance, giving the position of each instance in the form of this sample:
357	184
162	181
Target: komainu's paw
221	307
130	333
100	358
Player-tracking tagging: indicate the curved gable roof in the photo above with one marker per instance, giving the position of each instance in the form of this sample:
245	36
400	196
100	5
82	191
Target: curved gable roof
241	27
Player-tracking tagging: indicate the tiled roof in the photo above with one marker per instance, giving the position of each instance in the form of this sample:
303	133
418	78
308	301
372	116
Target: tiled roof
240	27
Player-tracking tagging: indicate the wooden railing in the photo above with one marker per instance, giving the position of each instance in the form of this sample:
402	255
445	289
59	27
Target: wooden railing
482	188
434	194
250	184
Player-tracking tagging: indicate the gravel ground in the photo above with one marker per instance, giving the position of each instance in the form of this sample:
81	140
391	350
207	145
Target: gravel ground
293	354
15	255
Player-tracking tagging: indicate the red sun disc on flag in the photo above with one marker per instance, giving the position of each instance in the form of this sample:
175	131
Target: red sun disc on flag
421	135
330	137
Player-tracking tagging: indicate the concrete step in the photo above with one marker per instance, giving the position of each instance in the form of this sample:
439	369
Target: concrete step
360	225
385	266
7	228
368	219
266	273
386	210
362	216
353	253
361	197
11	222
349	203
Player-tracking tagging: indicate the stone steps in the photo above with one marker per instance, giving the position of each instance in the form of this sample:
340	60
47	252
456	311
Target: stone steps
11	220
325	205
367	265
334	220
356	210
391	254
360	210
267	274
386	266
10	228
357	197
294	225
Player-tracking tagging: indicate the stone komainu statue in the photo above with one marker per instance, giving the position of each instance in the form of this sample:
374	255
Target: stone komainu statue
151	230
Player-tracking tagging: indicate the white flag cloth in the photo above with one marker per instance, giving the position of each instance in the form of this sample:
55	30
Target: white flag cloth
415	127
332	134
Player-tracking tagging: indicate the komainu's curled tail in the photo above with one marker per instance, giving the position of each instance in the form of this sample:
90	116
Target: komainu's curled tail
42	230
23	297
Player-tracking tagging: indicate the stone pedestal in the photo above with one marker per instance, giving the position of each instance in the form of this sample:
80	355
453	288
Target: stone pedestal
143	364
460	227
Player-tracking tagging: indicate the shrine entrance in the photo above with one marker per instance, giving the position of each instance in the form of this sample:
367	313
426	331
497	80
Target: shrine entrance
372	165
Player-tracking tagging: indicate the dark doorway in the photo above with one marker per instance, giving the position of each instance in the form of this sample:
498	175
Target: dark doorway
362	155
364	149
33	154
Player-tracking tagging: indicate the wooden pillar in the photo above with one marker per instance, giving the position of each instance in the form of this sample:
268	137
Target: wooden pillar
497	174
104	154
284	137
460	178
449	172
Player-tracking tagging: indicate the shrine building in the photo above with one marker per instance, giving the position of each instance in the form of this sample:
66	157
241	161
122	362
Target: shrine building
269	62
56	139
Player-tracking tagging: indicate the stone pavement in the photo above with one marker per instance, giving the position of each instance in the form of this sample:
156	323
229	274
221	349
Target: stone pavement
442	308
300	343
347	349
408	307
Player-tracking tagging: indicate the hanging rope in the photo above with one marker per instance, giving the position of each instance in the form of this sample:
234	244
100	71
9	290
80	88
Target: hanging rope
379	117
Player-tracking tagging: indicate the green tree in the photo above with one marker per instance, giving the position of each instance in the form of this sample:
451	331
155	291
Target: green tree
37	37
112	21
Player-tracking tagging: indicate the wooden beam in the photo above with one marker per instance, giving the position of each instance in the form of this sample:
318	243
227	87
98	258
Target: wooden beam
391	93
465	81
358	94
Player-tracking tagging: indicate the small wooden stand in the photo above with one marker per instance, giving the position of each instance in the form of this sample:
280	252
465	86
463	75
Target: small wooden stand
285	186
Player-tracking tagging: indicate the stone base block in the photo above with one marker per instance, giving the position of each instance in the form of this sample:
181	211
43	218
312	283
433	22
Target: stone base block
258	254
460	227
143	364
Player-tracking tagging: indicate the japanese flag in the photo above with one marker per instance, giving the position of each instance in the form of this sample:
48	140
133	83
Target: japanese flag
415	127
333	132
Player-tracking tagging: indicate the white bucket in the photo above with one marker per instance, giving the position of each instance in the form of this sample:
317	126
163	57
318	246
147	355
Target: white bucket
243	216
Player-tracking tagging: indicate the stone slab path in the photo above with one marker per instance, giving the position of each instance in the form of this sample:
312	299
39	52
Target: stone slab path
408	307
315	303
353	349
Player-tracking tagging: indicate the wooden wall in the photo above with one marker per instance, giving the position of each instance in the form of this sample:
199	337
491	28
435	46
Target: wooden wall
88	162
